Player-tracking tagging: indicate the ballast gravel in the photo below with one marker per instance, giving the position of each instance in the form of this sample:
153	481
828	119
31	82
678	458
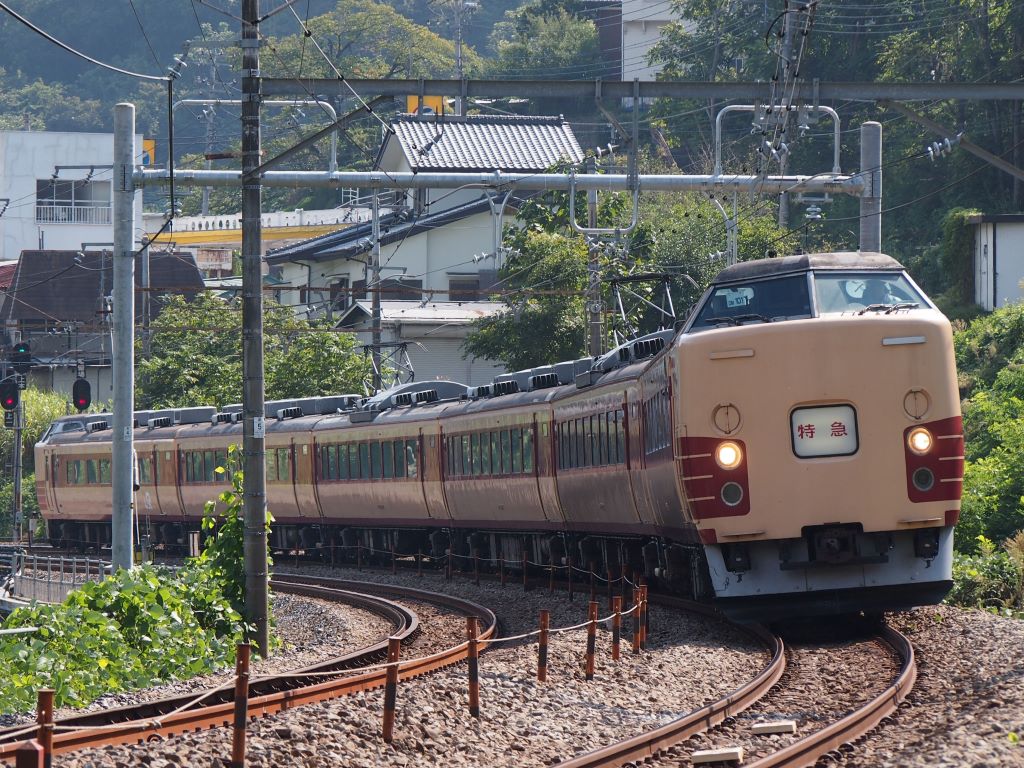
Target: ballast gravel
967	708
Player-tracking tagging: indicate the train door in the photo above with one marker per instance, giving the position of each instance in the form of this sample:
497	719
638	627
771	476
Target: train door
147	497
433	476
635	440
544	447
303	460
168	481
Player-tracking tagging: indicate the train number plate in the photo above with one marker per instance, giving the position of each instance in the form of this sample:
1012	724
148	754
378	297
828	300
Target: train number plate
829	430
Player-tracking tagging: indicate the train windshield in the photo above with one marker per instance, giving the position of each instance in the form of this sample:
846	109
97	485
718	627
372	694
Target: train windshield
865	292
759	301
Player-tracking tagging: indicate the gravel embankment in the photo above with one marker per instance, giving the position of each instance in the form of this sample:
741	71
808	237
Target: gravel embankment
691	661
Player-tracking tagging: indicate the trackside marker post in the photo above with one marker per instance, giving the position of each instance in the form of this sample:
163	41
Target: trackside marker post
591	639
643	617
29	755
616	626
242	657
636	620
391	688
474	666
44	717
542	646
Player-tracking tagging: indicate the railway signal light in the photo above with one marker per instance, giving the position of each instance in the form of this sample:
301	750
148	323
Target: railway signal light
81	394
21	357
9	394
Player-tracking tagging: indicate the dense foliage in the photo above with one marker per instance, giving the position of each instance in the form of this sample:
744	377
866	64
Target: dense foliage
137	627
196	356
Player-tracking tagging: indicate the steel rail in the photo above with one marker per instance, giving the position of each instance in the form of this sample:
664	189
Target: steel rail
152	726
807	751
648	744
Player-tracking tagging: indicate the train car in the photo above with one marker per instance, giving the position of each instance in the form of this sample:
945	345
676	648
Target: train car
795	447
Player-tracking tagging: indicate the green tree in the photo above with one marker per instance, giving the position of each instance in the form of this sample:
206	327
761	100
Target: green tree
196	356
540	41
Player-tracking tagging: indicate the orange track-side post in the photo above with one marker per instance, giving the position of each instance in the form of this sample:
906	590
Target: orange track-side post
616	626
593	586
30	755
591	639
636	620
242	656
542	646
44	717
474	666
391	689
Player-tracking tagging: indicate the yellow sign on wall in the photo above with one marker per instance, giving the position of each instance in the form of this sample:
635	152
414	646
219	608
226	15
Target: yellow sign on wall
149	151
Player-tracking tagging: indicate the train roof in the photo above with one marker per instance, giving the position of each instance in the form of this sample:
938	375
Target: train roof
786	265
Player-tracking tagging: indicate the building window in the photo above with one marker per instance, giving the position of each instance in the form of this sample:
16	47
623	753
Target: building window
339	294
72	202
463	288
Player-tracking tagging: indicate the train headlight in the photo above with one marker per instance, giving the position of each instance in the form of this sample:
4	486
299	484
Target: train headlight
728	455
920	441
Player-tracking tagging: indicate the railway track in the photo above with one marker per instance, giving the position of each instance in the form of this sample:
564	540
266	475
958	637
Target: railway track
181	714
668	744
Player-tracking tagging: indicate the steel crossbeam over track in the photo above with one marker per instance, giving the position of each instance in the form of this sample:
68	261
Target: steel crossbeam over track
821	183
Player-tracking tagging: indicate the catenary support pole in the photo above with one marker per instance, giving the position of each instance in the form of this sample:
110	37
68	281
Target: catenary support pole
122	470
20	523
375	293
146	304
871	199
254	458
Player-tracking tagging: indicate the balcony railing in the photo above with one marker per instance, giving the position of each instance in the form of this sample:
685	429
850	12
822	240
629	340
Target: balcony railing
72	214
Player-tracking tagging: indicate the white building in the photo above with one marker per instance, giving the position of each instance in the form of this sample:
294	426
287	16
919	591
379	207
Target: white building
642	24
432	334
998	259
55	191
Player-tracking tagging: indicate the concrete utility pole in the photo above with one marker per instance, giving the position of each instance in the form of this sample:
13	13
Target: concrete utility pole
787	73
871	199
19	508
593	273
123	347
375	295
254	424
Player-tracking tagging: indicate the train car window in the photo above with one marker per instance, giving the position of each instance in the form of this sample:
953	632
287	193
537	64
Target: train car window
399	459
528	450
506	453
620	434
474	447
376	468
222	459
90	471
210	461
353	461
104	471
613	443
284	465
485	453
271	466
146	471
517	451
72	472
602	438
364	461
760	301
412	456
388	451
495	453
857	292
341	451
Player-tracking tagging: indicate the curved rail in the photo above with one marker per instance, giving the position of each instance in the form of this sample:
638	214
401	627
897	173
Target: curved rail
650	743
144	722
807	750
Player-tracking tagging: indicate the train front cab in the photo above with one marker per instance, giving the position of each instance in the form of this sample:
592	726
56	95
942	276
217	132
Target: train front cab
821	446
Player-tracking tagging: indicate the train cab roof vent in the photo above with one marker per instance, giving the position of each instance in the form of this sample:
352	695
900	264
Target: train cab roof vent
426	396
403	398
362	417
544	381
223	418
509	387
158	422
292	412
485	390
97	426
643	348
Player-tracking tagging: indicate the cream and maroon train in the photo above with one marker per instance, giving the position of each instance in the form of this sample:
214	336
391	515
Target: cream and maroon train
796	447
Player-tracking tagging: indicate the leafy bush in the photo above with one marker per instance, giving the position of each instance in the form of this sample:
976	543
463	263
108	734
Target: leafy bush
992	579
133	629
137	627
